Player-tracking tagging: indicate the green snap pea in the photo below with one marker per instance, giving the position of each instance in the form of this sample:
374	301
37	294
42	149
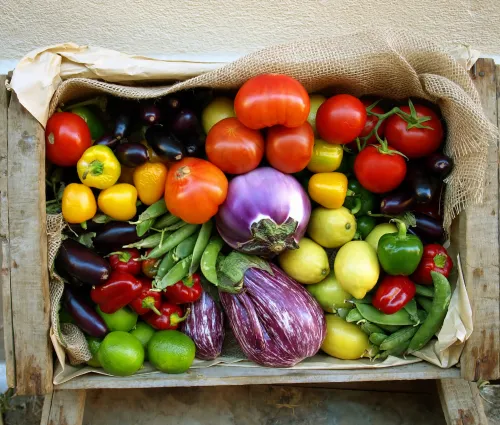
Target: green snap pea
166	221
354	316
435	318
372	351
201	244
397	338
148	242
143	227
389	328
370	328
366	300
426	303
396	351
377	339
175	226
165	265
209	259
425	291
173	240
373	315
411	309
422	315
185	248
176	273
155	210
343	312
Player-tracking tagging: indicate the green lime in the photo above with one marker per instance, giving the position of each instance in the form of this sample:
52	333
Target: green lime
121	354
121	320
143	332
171	351
94	344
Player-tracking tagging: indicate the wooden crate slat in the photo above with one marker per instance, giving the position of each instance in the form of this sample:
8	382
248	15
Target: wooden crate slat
64	407
28	252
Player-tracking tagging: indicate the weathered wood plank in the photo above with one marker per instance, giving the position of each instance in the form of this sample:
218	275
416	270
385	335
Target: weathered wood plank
28	252
478	228
460	404
64	407
4	240
226	375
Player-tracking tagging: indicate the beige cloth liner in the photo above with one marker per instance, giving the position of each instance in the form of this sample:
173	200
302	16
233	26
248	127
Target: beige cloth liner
391	64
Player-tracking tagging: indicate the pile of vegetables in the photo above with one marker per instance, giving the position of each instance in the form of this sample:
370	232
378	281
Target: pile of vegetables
301	222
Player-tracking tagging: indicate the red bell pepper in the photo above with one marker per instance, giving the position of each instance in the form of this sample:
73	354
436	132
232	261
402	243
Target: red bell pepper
185	291
120	289
150	267
125	261
434	259
393	293
148	300
170	318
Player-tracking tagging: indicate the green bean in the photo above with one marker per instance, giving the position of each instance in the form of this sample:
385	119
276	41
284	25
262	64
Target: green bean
155	210
389	328
165	221
354	316
185	248
396	351
397	338
426	303
172	241
371	314
425	291
436	316
165	265
343	312
201	244
209	259
148	242
411	309
377	339
176	273
143	227
370	328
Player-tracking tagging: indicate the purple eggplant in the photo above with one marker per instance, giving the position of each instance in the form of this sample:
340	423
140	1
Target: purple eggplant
428	228
205	326
81	263
397	202
421	184
109	140
275	320
83	314
132	154
122	125
439	164
150	114
114	236
186	124
165	144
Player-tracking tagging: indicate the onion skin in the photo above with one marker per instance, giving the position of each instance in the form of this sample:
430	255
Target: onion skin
276	321
265	212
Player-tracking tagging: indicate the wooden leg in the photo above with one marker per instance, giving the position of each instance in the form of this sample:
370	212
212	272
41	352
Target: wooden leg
461	402
64	407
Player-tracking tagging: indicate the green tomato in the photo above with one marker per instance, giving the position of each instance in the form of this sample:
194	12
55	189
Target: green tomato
330	294
94	123
378	231
344	340
316	101
121	320
217	110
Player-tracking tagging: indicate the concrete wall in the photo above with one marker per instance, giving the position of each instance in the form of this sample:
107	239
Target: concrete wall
229	28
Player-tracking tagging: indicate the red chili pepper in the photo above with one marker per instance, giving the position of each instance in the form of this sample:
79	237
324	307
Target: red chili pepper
185	291
150	267
125	261
117	292
434	259
170	318
148	300
393	293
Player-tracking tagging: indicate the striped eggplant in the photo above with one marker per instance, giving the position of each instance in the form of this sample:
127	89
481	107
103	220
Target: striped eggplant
205	326
275	320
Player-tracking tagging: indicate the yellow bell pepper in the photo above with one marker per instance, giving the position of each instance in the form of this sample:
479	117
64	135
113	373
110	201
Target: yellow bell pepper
326	157
98	167
149	180
119	201
328	189
78	203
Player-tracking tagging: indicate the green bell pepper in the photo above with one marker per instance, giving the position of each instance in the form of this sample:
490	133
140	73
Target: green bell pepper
364	225
399	253
347	165
362	201
94	123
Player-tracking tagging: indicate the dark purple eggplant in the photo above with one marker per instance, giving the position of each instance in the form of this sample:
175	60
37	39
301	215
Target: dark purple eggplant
114	236
397	202
170	105
428	228
132	154
110	141
82	263
84	315
150	114
122	125
186	124
165	144
420	183
439	164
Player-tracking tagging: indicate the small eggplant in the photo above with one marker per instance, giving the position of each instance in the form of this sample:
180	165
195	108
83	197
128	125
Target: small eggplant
166	145
397	202
195	146
122	125
186	124
423	186
150	114
439	164
428	228
82	263
83	314
110	141
114	236
171	105
132	154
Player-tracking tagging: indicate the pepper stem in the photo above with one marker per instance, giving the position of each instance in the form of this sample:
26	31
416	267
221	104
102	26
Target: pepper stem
440	260
95	168
123	256
188	281
401	228
357	206
175	319
149	302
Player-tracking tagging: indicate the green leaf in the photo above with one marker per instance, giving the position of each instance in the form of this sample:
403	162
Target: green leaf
87	239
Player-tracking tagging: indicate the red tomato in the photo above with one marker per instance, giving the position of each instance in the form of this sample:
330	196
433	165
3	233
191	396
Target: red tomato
371	122
234	148
67	136
410	140
194	190
393	293
272	99
341	119
290	149
379	170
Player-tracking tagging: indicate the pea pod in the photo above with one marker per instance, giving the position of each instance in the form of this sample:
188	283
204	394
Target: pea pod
165	265
411	309
389	328
176	273
172	241
166	221
185	248
143	227
396	351
153	211
397	338
148	242
343	312
201	244
377	339
367	299
176	226
436	316
425	291
370	328
370	313
354	316
426	303
372	351
209	259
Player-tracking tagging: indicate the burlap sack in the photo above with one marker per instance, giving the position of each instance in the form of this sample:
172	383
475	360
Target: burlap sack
394	65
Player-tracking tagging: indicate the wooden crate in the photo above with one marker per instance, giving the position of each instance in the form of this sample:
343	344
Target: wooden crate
26	290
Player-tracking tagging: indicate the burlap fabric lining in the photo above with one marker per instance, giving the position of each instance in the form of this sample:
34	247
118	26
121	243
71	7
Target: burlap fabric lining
392	64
